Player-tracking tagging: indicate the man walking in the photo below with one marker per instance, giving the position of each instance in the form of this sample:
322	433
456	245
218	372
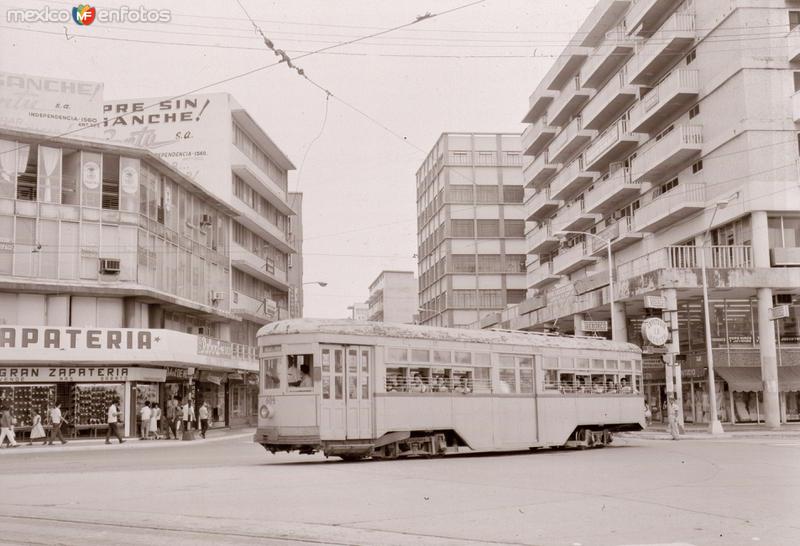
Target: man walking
203	419
113	419
145	413
56	420
672	415
7	427
171	429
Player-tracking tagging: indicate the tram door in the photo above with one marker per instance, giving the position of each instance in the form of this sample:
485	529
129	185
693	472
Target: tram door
346	392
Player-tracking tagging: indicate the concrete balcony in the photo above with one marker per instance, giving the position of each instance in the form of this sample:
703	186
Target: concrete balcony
611	192
574	217
542	276
261	311
607	58
538	103
541	239
571	180
785	256
674	93
536	136
569	102
540	206
255	266
794	45
659	210
621	234
569	140
256	223
603	18
796	107
644	15
566	67
687	257
610	101
673	39
668	152
611	146
539	171
572	259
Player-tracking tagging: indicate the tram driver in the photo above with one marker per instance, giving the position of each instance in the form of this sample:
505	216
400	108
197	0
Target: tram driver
305	377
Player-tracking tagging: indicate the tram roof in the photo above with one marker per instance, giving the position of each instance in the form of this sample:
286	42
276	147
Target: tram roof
413	331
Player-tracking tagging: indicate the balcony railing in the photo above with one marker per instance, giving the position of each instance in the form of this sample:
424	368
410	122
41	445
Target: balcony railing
573	258
536	136
661	208
668	151
675	35
688	257
540	204
610	101
607	57
673	92
608	138
568	140
569	101
618	185
539	170
542	275
571	179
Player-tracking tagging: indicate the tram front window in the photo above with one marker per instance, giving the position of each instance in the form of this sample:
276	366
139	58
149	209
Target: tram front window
271	378
298	373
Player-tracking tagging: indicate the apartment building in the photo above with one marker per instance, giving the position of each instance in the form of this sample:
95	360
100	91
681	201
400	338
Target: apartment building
214	140
295	261
470	228
114	282
392	298
667	131
359	311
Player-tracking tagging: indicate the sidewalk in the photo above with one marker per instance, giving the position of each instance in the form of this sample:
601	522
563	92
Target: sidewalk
91	444
658	431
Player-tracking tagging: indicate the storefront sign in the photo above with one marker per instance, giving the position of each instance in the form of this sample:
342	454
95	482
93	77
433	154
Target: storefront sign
209	346
655	302
18	337
79	374
778	312
50	105
211	378
177	373
655	331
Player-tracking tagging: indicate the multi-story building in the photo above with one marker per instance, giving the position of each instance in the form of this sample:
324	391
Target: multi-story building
392	297
358	311
216	142
295	260
667	130
470	228
114	282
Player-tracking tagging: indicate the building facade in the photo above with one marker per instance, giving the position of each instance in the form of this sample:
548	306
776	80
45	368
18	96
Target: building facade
358	311
660	136
470	228
295	261
114	282
392	298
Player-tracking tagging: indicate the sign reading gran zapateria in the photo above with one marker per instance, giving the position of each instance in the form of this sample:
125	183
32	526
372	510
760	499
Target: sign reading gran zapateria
17	337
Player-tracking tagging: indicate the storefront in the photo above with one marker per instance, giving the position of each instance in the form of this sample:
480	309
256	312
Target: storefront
243	398
84	369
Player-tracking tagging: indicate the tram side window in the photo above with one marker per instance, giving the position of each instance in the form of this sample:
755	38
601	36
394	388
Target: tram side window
463	382
551	379
482	380
525	374
298	373
396	379
271	378
419	380
567	383
626	385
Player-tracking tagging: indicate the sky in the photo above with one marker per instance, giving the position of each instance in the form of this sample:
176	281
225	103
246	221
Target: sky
469	70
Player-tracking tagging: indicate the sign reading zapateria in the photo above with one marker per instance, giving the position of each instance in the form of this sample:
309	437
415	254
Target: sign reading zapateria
19	337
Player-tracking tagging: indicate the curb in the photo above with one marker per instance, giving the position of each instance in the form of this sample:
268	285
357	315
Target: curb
130	443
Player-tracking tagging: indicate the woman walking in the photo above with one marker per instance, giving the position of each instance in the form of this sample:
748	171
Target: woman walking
155	417
37	430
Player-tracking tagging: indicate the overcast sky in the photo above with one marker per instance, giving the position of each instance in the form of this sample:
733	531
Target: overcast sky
471	70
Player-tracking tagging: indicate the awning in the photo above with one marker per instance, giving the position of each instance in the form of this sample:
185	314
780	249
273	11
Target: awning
744	379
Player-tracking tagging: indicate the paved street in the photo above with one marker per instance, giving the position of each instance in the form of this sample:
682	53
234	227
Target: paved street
736	491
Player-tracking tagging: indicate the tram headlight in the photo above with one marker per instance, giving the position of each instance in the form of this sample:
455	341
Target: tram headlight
265	412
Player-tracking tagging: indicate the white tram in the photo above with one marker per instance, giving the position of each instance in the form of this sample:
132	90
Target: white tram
370	389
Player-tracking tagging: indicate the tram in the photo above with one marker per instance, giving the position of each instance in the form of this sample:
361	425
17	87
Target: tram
357	389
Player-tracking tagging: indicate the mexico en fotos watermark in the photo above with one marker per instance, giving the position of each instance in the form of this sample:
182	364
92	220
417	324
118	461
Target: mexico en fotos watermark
85	15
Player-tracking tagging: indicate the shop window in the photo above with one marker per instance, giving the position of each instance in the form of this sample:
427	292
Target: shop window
299	371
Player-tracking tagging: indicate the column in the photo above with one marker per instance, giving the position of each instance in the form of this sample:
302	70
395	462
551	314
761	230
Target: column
577	320
672	367
766	328
620	322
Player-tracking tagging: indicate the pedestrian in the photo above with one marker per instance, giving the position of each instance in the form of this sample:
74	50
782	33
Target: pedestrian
56	420
144	414
7	427
185	414
177	414
203	419
672	414
112	420
155	419
648	414
37	430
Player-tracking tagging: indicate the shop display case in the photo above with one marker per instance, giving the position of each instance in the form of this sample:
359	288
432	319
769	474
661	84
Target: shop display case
90	403
26	400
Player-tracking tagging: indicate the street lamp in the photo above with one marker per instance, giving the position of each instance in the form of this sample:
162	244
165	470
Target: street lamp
323	284
606	242
714	426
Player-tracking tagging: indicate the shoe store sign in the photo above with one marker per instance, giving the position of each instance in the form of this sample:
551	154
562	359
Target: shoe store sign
16	337
78	374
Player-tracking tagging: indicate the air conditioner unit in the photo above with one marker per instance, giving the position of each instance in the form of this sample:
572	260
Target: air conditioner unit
205	220
197	330
782	299
109	265
217	296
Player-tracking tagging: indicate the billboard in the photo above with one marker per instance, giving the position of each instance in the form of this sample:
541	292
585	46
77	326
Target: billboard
192	133
53	106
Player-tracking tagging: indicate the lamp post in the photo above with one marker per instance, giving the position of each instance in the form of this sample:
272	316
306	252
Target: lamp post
323	284
714	426
606	242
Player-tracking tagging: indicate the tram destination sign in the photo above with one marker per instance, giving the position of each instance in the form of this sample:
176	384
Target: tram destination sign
595	325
